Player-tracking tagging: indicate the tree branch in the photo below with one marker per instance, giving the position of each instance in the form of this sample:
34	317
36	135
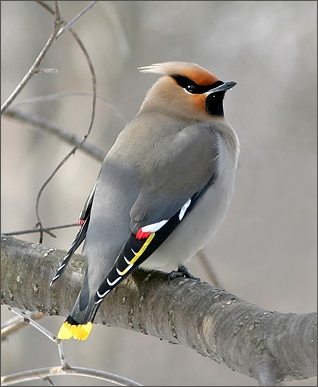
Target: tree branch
262	344
35	67
69	138
44	373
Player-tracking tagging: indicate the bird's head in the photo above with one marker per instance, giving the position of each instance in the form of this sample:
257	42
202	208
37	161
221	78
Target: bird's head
186	90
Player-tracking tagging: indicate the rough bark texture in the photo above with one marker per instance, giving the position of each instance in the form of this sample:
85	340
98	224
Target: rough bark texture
263	344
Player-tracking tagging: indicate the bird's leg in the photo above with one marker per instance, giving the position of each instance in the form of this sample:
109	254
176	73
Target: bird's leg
181	272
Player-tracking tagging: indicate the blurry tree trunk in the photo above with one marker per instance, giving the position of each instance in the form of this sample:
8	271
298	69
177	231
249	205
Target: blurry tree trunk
269	346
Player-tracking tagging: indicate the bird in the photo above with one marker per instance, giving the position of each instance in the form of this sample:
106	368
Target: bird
163	190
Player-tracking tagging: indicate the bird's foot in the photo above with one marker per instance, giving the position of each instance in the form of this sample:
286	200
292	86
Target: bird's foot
181	272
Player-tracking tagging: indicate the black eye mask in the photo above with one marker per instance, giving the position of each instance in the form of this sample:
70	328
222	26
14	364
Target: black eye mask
192	87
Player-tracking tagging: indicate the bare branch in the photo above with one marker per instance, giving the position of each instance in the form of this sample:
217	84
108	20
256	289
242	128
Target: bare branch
15	324
69	25
34	67
92	71
39	327
123	44
43	373
34	230
50	97
209	270
65	368
264	372
50	127
215	323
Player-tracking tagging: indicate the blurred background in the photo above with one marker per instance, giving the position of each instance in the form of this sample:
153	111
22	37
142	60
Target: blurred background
264	252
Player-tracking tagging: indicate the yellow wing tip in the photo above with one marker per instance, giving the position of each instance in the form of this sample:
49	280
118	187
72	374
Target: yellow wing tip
79	332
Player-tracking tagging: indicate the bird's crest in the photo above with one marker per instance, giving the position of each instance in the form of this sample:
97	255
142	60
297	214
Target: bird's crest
192	71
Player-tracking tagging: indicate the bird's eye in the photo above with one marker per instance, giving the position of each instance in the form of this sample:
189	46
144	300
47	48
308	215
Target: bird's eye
190	89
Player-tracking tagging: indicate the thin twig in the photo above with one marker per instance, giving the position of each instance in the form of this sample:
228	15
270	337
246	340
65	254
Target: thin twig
92	71
59	371
62	354
33	69
123	44
50	127
39	327
68	25
65	369
50	97
209	270
15	324
34	230
49	381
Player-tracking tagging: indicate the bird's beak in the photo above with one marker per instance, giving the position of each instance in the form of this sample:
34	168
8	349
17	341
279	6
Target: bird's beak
225	86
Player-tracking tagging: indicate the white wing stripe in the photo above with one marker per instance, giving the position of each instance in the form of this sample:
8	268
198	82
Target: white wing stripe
126	260
184	209
121	273
113	283
101	296
154	227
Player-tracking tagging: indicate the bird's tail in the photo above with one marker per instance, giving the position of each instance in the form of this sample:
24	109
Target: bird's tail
79	323
72	329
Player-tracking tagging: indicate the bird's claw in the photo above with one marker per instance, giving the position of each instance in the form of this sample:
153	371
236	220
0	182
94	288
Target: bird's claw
181	272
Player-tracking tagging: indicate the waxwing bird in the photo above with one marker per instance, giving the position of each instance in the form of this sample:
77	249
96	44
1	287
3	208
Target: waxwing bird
164	187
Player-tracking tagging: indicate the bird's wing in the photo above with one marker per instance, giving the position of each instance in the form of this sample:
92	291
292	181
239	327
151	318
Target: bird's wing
169	195
141	245
80	236
176	168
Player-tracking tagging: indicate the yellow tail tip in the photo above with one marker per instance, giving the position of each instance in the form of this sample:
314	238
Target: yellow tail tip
79	332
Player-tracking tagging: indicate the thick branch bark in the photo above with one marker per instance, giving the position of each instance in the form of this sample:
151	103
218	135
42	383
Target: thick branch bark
263	344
